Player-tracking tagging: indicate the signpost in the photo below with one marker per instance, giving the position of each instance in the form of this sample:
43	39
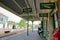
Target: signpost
50	5
27	10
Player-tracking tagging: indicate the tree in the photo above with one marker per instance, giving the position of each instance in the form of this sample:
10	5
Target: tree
22	23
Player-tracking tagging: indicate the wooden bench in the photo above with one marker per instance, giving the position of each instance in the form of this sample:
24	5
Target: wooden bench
6	31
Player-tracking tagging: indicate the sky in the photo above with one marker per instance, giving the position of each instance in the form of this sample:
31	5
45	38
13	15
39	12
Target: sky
11	16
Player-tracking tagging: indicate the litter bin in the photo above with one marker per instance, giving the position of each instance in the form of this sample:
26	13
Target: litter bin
57	34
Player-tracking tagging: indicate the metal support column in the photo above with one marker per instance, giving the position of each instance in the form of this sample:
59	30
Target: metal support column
32	26
27	28
42	26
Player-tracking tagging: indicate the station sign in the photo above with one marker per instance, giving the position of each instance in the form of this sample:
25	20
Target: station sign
43	15
50	5
27	10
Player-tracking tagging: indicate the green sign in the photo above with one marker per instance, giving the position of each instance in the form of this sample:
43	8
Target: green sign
27	10
43	15
50	5
27	17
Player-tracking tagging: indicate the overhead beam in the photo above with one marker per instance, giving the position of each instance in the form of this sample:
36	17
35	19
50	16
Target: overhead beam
35	5
17	4
27	3
29	14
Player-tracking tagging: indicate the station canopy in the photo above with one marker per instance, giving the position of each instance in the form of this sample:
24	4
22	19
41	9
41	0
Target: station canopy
28	9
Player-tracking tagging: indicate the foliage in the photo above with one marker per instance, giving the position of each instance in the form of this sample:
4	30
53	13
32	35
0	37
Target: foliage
30	25
22	23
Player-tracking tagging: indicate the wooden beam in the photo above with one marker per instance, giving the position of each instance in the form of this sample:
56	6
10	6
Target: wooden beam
17	4
29	14
58	8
